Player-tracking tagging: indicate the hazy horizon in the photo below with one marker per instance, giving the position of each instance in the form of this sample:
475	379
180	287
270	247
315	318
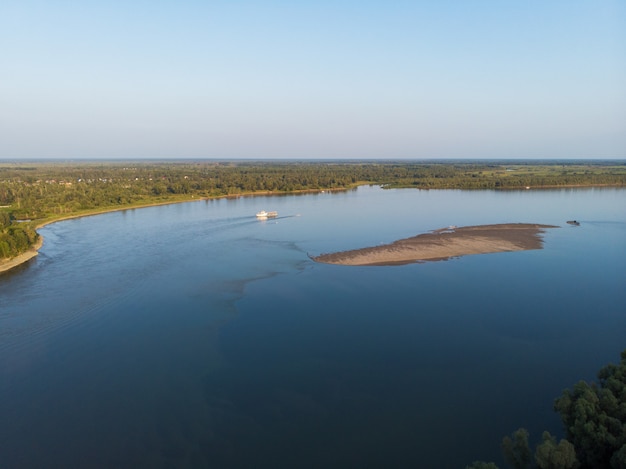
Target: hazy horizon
182	159
317	80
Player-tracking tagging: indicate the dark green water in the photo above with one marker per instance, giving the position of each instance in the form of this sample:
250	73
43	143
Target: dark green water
193	335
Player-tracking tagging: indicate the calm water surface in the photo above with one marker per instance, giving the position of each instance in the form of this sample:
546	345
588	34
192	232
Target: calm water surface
193	335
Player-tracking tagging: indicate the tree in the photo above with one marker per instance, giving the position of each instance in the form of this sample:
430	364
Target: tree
516	450
595	418
482	465
550	455
619	458
5	220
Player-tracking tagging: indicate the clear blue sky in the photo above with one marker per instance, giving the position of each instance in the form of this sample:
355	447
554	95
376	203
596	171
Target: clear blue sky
313	79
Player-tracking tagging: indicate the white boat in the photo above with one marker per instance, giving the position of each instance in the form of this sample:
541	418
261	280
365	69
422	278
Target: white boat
264	214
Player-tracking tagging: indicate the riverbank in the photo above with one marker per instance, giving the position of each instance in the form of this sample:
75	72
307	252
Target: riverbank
445	243
16	261
9	264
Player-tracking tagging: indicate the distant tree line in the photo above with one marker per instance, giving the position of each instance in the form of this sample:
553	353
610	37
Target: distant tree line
45	191
594	416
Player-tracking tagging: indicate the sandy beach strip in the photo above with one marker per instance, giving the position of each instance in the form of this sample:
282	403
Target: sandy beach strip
445	243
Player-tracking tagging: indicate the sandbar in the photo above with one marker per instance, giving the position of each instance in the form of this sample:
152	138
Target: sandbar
445	243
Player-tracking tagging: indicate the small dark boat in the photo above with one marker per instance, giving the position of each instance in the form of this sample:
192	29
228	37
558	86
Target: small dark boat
573	222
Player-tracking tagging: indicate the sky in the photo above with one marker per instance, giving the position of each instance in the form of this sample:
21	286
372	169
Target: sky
342	79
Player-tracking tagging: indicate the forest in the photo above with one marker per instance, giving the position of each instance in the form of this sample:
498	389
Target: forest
36	192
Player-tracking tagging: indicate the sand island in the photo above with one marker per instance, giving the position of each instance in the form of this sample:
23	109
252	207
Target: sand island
445	243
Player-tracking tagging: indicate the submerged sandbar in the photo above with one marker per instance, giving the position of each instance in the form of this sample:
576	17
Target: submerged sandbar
445	243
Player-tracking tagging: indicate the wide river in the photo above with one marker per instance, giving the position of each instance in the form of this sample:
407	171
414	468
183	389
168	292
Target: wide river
194	335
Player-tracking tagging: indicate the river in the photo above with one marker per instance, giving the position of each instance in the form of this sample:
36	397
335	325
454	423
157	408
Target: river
195	335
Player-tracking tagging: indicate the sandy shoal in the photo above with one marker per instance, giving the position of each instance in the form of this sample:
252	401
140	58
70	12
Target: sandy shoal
444	244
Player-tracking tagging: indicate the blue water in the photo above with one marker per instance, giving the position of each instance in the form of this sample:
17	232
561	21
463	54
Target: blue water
194	335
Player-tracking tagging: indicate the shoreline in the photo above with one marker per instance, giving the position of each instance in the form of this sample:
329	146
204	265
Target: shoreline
9	264
509	188
443	244
20	259
13	262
